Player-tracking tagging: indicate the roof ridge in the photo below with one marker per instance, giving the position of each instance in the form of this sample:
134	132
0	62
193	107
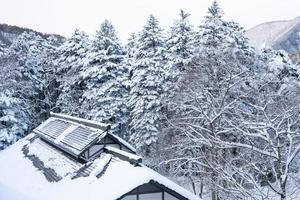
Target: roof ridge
86	122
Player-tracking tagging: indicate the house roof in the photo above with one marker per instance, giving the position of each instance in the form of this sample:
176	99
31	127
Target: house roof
74	135
35	169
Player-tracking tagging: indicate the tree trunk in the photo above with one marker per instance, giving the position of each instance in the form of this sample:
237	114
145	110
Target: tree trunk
201	189
214	195
193	185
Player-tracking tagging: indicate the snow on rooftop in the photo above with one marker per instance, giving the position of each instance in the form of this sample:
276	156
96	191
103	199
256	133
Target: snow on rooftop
53	158
80	120
96	128
124	153
100	164
129	146
18	175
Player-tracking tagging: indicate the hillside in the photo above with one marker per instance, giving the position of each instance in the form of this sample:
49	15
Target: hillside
9	33
278	35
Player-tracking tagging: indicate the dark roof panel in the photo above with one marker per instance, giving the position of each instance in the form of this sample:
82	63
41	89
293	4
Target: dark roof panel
79	138
54	128
74	135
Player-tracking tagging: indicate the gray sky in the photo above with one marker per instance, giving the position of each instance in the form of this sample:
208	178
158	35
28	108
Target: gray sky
63	16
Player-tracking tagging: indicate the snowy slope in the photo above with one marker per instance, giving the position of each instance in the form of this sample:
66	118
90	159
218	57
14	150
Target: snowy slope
9	33
271	33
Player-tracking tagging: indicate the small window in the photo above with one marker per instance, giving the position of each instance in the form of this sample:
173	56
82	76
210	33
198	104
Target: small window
130	197
95	148
151	196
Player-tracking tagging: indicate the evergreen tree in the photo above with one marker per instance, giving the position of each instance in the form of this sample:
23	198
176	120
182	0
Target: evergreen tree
279	64
26	60
70	65
213	30
147	86
131	49
29	60
13	120
179	45
49	74
105	77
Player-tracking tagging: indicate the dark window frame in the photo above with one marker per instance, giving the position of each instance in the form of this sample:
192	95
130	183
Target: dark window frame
163	189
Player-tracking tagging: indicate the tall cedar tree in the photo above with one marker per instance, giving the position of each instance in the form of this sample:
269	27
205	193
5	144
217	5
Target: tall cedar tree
70	65
147	81
104	77
179	45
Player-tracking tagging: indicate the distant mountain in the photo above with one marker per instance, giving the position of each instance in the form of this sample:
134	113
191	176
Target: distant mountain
9	33
278	35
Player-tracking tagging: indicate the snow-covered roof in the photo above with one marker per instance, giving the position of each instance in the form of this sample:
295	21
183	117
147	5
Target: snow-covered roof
34	169
74	135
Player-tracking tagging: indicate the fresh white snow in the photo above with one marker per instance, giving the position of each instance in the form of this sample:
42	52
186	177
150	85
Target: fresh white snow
100	164
19	176
268	34
124	153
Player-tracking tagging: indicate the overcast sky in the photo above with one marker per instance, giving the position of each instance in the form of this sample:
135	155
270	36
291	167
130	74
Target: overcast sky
63	16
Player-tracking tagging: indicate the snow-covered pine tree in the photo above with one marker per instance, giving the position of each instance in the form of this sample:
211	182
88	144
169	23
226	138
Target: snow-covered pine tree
279	63
179	53
131	49
131	45
179	45
29	61
13	120
147	86
49	74
26	60
213	30
105	77
70	65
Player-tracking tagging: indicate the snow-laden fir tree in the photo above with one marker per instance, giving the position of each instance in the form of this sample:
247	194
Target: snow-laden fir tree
179	53
147	86
70	65
279	63
131	46
26	60
213	31
104	76
29	60
179	45
13	120
49	74
131	49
